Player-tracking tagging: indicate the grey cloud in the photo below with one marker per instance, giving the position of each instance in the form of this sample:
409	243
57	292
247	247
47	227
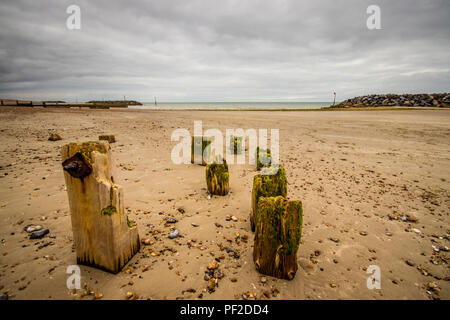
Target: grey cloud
222	50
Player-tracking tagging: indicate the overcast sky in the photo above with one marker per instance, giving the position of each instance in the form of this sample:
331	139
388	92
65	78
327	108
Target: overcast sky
190	50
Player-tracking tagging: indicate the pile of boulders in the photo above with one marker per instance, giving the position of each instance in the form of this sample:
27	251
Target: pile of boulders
405	100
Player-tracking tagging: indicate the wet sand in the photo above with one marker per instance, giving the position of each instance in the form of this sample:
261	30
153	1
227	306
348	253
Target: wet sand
356	172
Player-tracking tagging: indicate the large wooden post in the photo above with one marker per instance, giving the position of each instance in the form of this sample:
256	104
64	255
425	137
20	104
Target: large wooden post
103	235
277	237
270	185
217	178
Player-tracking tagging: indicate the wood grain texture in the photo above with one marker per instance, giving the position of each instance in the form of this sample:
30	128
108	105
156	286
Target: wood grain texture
103	235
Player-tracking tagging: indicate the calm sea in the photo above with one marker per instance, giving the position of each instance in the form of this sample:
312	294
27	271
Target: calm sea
231	105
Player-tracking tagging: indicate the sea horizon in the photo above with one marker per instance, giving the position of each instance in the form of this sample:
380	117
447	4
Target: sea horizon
274	105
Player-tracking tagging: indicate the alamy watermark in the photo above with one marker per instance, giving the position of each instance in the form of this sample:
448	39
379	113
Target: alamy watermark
182	151
74	280
374	20
374	281
73	21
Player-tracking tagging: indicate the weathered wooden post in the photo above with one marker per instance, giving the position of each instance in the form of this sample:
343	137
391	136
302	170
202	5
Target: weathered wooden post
200	150
236	145
263	158
107	137
103	235
270	185
277	237
217	177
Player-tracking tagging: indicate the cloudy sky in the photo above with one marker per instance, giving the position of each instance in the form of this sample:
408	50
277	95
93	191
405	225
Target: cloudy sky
222	50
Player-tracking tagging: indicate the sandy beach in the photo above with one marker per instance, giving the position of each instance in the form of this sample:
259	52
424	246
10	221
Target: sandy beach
356	172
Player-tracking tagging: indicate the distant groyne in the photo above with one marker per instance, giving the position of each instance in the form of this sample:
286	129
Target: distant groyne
63	104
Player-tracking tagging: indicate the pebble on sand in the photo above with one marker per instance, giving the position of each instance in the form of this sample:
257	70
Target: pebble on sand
213	265
39	234
31	228
54	137
174	234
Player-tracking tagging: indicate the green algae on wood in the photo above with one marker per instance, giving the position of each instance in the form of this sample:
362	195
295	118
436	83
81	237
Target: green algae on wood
86	148
277	236
200	149
270	185
217	178
131	223
109	210
263	158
